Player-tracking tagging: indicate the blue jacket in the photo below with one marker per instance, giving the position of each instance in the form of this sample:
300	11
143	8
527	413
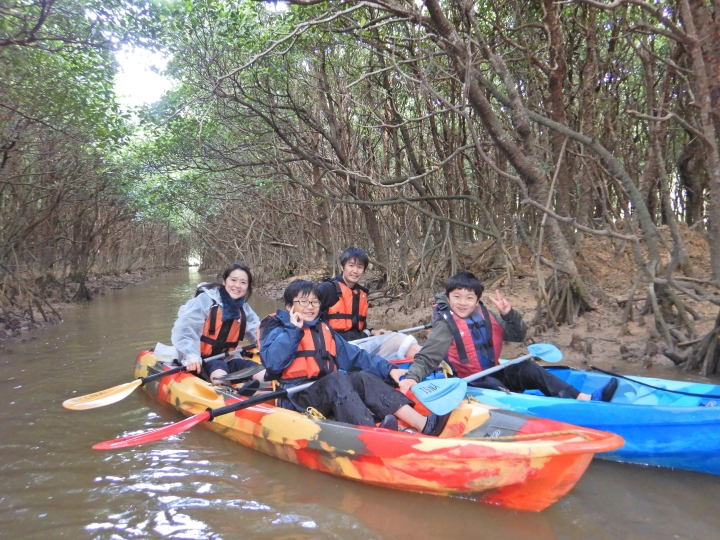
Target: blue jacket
278	347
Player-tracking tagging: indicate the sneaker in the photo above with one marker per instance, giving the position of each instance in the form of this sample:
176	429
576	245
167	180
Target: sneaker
435	424
249	388
607	392
389	422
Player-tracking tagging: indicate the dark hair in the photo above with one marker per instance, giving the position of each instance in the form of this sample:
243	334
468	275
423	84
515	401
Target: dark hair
238	266
464	280
299	287
354	253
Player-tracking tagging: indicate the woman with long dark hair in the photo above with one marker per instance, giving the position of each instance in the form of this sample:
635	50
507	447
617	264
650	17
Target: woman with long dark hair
215	321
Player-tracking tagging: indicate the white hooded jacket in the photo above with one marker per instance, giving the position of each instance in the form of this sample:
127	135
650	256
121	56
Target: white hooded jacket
189	325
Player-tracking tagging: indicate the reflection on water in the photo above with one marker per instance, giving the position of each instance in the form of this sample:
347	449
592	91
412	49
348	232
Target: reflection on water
199	485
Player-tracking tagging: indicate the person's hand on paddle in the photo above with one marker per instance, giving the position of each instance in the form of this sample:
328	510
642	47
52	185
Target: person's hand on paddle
396	373
195	367
378	331
296	318
406	384
501	303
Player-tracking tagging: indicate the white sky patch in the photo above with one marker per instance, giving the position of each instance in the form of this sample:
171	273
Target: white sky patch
139	80
277	6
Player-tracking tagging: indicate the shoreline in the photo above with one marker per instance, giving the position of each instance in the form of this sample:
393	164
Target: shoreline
18	321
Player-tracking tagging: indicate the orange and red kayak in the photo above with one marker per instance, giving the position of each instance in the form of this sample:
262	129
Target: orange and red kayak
484	453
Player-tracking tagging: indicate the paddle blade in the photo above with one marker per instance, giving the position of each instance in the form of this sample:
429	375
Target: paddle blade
242	375
102	398
154	435
545	352
440	396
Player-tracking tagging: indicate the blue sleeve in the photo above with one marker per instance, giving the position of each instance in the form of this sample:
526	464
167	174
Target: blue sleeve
278	349
352	358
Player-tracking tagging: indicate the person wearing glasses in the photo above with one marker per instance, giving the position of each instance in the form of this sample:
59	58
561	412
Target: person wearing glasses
344	306
297	347
215	321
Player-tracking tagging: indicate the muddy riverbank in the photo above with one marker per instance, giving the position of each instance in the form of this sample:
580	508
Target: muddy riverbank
47	305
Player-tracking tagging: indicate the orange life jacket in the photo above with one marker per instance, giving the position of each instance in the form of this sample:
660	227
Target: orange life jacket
315	355
219	336
351	309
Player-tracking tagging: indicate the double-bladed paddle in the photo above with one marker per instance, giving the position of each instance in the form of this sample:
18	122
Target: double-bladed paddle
184	425
121	391
405	331
441	396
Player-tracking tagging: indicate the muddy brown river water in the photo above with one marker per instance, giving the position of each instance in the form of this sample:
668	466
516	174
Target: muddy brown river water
200	485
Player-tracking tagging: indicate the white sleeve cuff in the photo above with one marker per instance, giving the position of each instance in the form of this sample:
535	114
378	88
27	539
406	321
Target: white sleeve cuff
191	359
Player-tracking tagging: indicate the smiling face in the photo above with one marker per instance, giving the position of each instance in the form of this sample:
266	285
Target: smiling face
352	272
463	302
307	305
236	284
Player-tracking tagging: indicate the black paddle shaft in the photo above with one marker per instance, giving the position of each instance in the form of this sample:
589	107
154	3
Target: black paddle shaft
257	399
162	374
178	369
245	404
703	396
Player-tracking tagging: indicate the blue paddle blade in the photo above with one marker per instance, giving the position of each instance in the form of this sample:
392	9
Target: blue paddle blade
440	395
545	352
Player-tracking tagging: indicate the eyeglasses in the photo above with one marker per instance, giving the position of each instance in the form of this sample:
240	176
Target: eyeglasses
306	303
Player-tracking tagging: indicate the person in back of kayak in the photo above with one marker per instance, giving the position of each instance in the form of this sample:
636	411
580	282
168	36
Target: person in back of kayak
469	339
215	321
297	347
344	306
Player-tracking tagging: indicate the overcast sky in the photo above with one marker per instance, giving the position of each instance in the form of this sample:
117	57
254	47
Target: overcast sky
138	81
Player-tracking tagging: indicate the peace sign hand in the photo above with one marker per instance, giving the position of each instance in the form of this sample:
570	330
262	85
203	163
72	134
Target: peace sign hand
501	303
296	318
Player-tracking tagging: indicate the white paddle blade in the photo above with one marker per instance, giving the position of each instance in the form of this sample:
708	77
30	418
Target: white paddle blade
102	398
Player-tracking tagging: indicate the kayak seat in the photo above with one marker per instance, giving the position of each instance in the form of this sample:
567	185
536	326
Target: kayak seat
458	421
497	423
465	418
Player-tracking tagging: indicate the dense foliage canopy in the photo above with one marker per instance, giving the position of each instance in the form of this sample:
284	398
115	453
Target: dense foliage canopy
416	128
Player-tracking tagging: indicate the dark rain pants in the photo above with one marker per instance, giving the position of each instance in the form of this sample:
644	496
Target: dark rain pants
358	398
527	376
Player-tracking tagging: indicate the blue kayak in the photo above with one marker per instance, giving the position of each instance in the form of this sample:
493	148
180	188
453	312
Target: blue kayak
660	427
